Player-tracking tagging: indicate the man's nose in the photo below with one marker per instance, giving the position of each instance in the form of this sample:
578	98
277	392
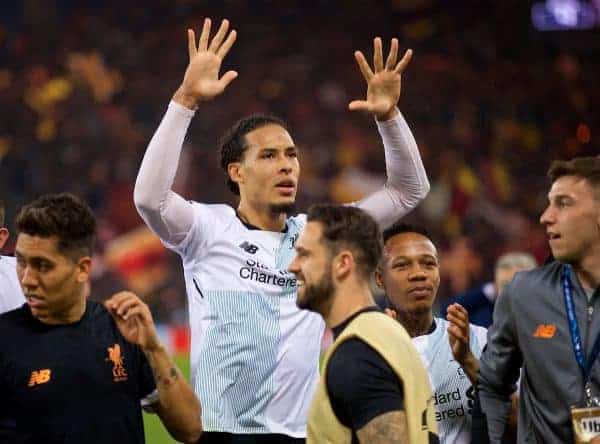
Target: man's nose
547	216
28	278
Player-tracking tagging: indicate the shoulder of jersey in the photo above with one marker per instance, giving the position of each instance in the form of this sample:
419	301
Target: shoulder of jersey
220	209
8	261
10	320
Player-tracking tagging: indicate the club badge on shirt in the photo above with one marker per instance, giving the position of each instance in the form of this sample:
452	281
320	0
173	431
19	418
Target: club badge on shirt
116	358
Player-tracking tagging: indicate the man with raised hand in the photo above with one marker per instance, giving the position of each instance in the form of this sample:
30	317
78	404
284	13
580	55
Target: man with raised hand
409	273
254	354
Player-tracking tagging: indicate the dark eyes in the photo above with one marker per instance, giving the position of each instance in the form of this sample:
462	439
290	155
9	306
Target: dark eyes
404	265
42	267
293	154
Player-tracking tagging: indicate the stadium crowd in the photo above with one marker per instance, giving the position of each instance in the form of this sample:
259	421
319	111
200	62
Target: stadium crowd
490	101
83	90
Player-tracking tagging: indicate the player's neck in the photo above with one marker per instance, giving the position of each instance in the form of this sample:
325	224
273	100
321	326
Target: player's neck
261	218
588	270
416	324
348	300
73	314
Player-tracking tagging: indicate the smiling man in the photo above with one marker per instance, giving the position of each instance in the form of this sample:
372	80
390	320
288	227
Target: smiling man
72	370
547	321
254	354
373	386
409	273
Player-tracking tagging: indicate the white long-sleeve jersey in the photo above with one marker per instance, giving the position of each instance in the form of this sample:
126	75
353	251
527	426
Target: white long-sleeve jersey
11	295
254	354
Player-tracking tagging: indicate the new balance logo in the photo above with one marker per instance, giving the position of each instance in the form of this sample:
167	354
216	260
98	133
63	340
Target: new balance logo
39	377
545	331
248	247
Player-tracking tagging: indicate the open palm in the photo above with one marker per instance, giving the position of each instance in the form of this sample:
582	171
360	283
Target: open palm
201	80
383	81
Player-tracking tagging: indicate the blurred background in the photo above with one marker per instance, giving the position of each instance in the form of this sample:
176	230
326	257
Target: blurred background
495	91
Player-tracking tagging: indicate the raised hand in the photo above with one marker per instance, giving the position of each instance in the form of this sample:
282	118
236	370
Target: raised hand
458	336
133	319
383	82
201	81
458	331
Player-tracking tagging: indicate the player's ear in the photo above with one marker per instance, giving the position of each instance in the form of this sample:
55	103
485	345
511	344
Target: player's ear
84	269
343	263
3	236
234	169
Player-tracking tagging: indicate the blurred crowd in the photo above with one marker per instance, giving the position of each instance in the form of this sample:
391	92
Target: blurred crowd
83	85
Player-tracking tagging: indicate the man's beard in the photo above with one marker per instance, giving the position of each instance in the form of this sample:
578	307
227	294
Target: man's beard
318	296
283	208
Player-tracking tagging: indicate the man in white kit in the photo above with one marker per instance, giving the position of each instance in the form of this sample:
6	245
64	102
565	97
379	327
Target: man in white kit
11	295
450	349
254	354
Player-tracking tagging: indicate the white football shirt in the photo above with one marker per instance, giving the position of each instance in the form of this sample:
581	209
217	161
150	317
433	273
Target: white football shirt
11	295
254	354
453	393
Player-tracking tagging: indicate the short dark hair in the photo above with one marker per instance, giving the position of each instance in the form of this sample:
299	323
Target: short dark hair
584	167
350	227
62	215
2	213
401	227
233	142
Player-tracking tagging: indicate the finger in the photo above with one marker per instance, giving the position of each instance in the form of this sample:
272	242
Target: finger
203	43
402	64
457	334
363	65
460	308
227	78
139	311
377	55
457	321
391	313
126	305
219	36
226	46
359	105
192	50
116	299
458	311
390	64
459	324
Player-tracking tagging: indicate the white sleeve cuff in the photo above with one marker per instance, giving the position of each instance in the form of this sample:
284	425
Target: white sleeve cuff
189	113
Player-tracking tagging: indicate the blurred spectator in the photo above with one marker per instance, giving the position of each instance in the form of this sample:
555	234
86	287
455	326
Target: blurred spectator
479	302
83	84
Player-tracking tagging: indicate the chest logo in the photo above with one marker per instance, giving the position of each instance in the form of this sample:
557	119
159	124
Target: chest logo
248	247
116	358
39	377
545	331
